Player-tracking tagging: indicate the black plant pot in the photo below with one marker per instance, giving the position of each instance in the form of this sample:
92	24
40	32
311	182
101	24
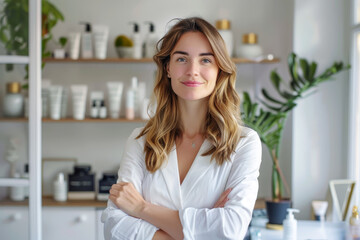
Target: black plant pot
276	211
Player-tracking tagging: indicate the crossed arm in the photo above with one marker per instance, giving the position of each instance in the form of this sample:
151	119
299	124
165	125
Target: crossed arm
129	216
128	199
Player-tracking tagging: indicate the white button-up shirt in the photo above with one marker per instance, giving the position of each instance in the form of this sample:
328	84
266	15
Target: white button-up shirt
194	198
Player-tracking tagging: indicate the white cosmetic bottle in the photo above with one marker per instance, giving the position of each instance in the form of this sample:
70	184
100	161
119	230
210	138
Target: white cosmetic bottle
60	188
150	41
135	94
86	42
17	193
137	41
130	104
223	27
290	225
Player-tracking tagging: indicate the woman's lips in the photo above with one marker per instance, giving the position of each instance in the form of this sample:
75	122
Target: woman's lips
192	83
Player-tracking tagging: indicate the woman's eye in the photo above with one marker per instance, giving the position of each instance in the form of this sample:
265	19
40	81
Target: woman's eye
181	59
206	60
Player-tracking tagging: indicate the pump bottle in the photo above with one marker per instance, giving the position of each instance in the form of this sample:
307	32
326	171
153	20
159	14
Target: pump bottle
150	41
355	224
86	42
60	188
290	225
137	41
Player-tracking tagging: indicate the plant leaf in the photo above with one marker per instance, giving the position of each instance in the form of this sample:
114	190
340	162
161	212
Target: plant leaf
266	95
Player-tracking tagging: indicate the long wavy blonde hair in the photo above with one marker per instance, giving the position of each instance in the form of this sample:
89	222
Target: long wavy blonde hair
222	125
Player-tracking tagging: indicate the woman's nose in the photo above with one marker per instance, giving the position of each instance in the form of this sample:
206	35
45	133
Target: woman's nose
193	68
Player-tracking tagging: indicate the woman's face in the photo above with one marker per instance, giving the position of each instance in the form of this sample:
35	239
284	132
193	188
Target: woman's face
192	67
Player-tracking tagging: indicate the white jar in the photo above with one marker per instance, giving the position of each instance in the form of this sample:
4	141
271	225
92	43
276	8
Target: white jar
17	193
13	101
250	48
223	27
60	188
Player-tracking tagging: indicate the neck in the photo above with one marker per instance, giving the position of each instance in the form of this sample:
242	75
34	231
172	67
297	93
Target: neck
193	116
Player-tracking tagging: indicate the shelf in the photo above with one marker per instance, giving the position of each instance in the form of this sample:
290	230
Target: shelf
244	60
143	60
11	59
48	201
14	182
95	60
107	120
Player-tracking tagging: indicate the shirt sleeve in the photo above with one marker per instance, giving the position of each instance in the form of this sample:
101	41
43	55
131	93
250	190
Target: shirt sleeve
231	221
117	224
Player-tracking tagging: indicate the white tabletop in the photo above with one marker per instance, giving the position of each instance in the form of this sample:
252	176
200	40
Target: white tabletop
307	230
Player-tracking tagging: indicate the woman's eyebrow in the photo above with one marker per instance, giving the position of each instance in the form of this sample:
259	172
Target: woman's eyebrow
206	54
187	54
180	52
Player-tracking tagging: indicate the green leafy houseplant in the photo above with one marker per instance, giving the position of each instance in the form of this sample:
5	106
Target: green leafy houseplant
14	27
268	119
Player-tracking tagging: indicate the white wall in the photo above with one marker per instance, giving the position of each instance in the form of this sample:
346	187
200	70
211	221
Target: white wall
102	144
321	34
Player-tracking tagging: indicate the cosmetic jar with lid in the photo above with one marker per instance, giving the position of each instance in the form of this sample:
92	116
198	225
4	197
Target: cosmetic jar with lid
108	179
13	100
250	47
17	192
81	184
223	26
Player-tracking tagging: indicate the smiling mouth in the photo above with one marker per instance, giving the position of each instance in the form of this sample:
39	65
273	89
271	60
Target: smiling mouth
192	83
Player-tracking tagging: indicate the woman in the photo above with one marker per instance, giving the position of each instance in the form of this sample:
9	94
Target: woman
192	171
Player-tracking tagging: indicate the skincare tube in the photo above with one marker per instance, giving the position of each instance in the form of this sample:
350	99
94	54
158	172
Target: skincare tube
44	102
115	90
130	104
74	39
45	85
320	208
55	101
79	101
64	102
101	34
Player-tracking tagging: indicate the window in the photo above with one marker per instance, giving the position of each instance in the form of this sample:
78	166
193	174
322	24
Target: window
356	11
354	111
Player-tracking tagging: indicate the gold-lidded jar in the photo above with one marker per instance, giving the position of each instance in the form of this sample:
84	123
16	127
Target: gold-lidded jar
13	87
250	38
223	24
13	103
249	49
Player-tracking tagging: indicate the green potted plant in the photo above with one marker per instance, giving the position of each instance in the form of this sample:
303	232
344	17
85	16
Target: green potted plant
124	46
268	117
60	53
14	27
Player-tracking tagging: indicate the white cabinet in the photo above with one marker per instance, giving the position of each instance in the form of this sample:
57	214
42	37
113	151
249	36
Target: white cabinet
59	223
70	223
14	223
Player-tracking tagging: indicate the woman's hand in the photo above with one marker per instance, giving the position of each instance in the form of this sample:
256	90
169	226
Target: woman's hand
127	198
222	199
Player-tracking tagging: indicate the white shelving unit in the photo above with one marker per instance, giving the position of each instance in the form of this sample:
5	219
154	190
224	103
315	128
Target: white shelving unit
34	61
14	59
13	182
